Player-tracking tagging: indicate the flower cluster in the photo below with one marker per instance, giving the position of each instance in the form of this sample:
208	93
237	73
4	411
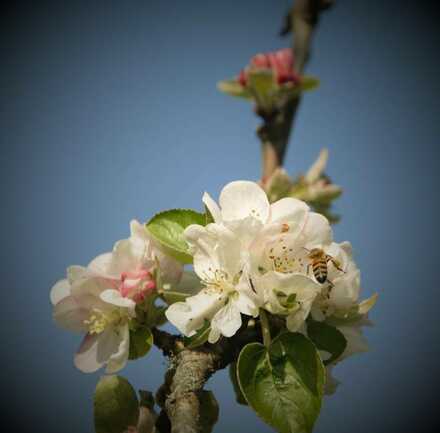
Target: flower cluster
278	257
252	256
269	80
100	300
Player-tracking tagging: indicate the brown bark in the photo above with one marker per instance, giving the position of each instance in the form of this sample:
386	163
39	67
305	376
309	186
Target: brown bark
275	132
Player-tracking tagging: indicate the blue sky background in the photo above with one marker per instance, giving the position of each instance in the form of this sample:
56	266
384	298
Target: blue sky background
109	111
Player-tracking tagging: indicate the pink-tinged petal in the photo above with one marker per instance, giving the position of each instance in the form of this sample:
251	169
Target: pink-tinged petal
114	297
119	358
102	266
59	291
86	358
260	61
75	273
69	315
242	78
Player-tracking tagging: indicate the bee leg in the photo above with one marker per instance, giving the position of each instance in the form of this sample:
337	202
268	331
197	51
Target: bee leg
336	265
329	288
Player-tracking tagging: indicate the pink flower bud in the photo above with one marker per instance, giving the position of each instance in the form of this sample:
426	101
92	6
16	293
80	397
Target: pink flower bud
280	62
137	285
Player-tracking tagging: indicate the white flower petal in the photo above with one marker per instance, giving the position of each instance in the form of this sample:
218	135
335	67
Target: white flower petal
215	248
118	360
86	289
317	231
247	304
189	316
295	321
86	358
108	344
227	321
75	273
288	209
356	341
245	230
69	315
212	207
59	291
272	282
242	199
103	266
346	290
143	249
114	297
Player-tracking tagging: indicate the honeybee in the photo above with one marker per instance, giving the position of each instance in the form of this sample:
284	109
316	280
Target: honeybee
319	264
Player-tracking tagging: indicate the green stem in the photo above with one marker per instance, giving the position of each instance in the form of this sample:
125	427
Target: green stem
265	328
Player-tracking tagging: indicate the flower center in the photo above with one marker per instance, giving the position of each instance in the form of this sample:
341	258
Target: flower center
284	259
219	281
99	320
137	285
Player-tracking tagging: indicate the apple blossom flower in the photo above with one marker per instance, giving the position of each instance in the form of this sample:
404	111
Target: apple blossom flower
218	262
100	299
237	259
280	62
83	303
339	296
283	275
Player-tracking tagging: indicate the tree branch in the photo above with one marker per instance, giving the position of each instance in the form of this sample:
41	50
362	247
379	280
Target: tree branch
275	131
189	370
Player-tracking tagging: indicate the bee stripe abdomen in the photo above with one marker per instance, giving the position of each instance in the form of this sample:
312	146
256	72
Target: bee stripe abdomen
320	271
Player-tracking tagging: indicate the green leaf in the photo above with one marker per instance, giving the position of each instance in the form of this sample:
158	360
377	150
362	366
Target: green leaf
209	411
283	384
263	87
234	88
328	338
116	406
239	397
167	228
172	296
141	341
308	83
200	337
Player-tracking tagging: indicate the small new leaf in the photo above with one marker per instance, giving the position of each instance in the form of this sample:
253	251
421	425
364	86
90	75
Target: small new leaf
283	384
141	341
308	83
167	228
234	88
116	405
328	338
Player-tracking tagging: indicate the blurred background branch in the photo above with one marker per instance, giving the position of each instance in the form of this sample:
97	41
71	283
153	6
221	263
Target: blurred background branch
275	131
